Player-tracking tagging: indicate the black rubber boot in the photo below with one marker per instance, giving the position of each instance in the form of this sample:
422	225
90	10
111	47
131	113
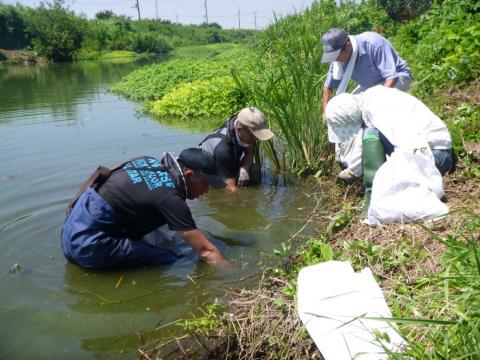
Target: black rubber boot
373	156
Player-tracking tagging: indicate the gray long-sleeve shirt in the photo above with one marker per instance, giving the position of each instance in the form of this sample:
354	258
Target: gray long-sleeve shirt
376	62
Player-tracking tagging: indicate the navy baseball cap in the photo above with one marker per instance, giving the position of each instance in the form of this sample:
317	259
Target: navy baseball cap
333	41
202	163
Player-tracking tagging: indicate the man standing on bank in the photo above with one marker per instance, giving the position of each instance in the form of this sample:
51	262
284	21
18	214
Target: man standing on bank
108	223
369	59
232	146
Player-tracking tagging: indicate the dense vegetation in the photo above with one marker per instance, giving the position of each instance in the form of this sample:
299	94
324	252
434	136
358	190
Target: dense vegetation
53	31
441	47
194	84
430	273
284	76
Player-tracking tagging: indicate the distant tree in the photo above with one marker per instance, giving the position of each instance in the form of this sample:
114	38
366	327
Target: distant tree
12	28
56	32
210	25
104	15
214	25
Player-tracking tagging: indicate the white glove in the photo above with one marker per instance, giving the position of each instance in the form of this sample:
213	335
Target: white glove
243	178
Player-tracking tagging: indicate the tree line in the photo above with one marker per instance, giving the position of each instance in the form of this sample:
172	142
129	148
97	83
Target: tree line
53	31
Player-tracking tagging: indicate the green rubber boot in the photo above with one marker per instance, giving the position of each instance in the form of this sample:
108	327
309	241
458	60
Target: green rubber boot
373	156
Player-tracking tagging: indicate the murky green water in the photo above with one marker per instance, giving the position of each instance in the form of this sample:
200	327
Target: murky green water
57	123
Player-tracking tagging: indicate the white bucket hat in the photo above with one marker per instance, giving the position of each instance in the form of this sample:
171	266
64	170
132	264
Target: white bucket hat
344	117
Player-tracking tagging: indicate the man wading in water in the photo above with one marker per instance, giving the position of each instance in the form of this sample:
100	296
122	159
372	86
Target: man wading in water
108	222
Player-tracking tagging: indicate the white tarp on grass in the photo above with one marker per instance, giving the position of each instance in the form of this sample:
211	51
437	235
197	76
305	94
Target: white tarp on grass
336	306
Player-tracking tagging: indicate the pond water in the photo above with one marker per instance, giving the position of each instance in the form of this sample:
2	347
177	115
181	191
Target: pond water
57	123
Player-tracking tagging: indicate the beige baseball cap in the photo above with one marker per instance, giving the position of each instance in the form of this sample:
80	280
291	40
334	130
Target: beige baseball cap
255	121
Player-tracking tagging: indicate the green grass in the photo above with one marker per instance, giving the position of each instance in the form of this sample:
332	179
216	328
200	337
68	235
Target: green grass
203	51
452	298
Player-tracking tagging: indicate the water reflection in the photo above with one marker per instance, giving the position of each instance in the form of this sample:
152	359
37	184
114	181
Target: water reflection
58	88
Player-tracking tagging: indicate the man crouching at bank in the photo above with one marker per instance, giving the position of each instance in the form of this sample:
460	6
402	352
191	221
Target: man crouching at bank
108	223
232	146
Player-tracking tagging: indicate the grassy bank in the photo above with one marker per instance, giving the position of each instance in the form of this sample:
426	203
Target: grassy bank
428	272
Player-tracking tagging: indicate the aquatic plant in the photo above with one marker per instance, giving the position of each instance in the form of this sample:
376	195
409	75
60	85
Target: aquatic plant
217	97
154	81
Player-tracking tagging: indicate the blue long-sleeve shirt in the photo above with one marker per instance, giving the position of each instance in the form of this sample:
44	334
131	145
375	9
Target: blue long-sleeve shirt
377	61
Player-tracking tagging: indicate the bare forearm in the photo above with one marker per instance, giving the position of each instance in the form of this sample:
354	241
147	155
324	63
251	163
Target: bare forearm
202	246
327	95
390	83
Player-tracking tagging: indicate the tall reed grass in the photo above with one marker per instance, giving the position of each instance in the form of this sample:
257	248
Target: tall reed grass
286	80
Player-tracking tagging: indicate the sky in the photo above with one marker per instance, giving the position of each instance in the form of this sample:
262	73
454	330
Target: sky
250	14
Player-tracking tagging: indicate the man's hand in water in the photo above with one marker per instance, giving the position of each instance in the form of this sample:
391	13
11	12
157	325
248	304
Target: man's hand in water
204	248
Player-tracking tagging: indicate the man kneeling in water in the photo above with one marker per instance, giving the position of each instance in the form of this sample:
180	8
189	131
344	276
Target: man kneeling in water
232	146
107	223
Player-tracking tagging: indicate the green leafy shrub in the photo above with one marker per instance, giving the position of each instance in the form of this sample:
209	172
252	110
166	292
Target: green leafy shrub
150	42
218	97
442	47
405	9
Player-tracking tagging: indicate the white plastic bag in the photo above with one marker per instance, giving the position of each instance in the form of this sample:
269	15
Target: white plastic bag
408	187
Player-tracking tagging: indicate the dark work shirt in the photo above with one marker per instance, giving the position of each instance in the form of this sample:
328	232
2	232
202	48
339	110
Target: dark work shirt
226	151
145	197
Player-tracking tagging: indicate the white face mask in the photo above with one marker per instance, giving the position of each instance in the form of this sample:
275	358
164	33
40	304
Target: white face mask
240	142
337	71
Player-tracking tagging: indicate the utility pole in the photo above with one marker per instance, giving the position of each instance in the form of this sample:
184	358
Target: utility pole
138	9
255	19
176	18
238	18
206	12
156	10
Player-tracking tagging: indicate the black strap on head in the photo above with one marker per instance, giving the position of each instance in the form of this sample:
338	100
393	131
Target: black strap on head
171	164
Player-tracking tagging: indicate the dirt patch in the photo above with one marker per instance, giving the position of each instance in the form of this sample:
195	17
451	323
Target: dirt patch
20	57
